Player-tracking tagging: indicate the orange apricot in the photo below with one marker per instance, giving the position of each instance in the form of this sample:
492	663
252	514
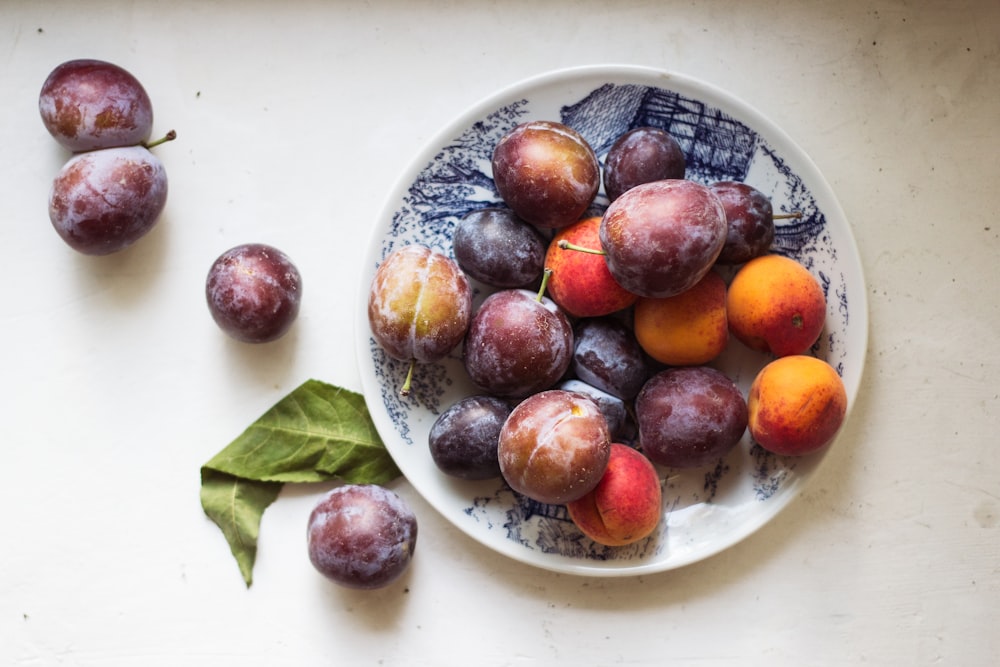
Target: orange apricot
688	329
775	305
796	405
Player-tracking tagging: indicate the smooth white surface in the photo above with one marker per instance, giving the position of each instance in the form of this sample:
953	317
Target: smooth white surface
294	120
701	517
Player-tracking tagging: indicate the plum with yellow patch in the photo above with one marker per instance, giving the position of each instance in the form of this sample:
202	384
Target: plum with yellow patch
626	505
581	283
775	305
796	405
554	446
419	305
687	329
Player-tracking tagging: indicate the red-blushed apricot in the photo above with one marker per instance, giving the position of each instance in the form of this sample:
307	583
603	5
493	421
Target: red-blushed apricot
688	329
796	405
775	305
626	505
581	283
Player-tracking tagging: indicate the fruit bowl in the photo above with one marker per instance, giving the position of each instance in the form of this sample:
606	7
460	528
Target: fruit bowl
705	510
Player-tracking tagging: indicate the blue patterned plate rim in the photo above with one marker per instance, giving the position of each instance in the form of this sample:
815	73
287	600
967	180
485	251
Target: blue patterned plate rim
705	511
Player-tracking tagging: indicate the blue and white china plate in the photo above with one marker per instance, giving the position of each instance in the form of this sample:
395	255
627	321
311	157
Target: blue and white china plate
704	511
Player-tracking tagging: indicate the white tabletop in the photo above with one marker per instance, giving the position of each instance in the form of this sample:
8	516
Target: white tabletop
294	121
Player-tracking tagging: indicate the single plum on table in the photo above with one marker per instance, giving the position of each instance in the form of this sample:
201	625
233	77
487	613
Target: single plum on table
361	536
105	200
499	249
661	238
518	343
554	446
463	439
253	292
642	155
90	104
689	417
546	172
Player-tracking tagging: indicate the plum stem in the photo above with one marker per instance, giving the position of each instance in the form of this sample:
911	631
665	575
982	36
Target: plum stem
169	136
546	274
566	245
786	216
404	391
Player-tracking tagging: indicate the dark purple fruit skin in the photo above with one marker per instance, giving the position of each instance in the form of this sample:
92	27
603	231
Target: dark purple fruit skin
689	417
546	173
91	104
497	248
642	155
517	345
253	292
361	536
463	439
612	407
749	219
607	355
104	201
661	238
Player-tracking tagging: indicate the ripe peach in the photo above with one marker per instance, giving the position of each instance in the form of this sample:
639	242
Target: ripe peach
688	329
554	446
581	283
776	305
796	405
625	506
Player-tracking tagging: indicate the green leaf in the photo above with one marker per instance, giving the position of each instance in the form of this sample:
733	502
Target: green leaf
316	433
236	506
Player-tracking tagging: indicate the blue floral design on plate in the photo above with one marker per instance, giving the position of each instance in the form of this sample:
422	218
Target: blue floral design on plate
456	179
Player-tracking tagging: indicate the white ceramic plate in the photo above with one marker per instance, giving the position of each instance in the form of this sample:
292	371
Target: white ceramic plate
705	511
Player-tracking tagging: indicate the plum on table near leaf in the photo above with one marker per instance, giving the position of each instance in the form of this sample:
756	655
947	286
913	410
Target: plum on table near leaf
361	536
